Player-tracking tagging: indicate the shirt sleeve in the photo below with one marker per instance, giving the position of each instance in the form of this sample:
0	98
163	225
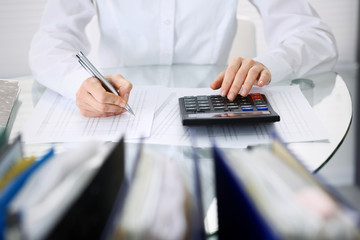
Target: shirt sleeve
300	43
53	48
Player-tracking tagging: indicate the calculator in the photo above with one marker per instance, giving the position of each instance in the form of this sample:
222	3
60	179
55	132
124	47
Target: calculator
213	109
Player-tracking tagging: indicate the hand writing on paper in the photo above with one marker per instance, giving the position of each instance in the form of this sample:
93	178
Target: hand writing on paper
94	101
241	74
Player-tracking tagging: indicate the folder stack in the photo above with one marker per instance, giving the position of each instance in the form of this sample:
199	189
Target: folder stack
9	91
70	196
265	193
14	173
3	139
157	203
85	193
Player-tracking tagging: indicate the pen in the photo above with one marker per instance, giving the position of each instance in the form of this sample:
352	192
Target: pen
85	63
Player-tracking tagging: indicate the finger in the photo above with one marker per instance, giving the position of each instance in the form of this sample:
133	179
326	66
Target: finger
216	84
95	88
229	76
87	102
103	102
121	84
252	76
240	78
94	97
103	97
86	108
87	113
265	78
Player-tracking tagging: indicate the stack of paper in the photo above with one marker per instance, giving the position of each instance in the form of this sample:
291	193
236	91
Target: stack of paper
9	91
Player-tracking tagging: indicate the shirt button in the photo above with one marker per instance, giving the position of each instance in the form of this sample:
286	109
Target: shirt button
167	22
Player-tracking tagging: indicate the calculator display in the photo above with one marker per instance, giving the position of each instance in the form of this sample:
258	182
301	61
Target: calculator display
212	109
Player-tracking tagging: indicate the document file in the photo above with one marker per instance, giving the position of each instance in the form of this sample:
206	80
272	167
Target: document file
156	188
298	123
57	119
265	193
9	91
72	195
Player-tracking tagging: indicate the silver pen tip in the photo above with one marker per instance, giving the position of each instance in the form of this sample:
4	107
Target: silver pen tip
130	111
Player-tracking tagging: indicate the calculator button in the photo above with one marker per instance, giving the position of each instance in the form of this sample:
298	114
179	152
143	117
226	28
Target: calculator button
204	105
219	107
203	102
204	108
218	104
192	109
233	107
258	101
262	108
202	98
190	105
190	102
247	109
232	103
256	96
245	101
246	105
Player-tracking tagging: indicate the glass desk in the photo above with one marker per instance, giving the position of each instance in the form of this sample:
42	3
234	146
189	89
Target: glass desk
327	93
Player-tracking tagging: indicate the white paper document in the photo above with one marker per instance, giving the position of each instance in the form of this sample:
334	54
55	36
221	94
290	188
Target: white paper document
298	122
58	119
158	120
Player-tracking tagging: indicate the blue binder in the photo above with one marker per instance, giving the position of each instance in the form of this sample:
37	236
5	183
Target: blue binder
14	187
237	216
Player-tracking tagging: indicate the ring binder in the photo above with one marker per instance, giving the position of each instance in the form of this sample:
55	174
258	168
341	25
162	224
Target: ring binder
265	193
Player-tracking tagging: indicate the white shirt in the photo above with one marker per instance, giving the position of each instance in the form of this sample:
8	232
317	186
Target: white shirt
135	32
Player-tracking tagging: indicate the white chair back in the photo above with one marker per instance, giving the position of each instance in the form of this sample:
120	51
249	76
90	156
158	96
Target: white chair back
244	44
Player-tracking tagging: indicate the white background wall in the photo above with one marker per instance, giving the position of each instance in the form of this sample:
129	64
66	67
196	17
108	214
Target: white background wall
341	16
19	20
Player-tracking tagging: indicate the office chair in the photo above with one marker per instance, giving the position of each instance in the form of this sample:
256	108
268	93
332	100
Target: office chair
244	44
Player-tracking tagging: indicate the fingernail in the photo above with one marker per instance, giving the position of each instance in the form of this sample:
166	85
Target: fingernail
261	82
243	92
231	96
122	104
223	93
126	96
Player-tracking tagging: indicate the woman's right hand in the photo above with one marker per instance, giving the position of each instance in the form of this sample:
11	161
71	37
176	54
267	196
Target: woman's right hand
94	101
